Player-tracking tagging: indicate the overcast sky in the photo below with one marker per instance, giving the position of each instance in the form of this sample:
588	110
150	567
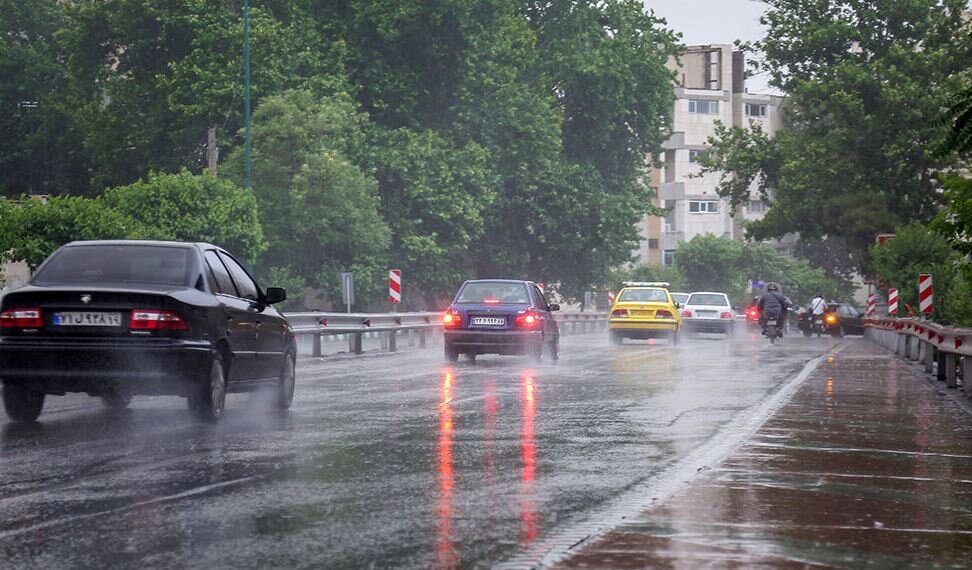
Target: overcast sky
714	22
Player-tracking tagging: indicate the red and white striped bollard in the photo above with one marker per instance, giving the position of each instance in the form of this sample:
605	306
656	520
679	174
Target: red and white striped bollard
395	286
893	302
925	304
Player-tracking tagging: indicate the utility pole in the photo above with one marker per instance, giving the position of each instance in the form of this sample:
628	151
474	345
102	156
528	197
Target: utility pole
212	153
248	180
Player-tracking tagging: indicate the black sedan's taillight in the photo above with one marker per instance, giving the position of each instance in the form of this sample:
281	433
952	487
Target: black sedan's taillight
22	318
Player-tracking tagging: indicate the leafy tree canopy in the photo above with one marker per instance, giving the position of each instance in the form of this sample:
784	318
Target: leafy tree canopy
32	228
187	207
865	83
319	211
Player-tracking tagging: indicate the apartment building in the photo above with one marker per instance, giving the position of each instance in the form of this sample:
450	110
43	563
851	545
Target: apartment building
712	89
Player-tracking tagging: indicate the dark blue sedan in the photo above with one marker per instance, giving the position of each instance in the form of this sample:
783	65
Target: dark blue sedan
501	316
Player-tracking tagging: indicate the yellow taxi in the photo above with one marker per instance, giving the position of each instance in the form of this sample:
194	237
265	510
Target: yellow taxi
644	310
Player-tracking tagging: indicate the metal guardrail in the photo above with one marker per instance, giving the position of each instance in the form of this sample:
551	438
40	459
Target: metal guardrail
943	351
426	325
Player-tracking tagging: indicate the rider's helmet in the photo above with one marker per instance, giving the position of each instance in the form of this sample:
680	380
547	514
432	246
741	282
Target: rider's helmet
773	287
819	294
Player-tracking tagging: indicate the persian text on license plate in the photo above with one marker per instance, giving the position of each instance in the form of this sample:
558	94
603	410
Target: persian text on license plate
489	321
87	319
771	322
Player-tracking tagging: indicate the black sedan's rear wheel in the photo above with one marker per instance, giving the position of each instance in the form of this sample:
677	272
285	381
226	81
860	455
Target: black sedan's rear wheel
21	403
288	380
208	399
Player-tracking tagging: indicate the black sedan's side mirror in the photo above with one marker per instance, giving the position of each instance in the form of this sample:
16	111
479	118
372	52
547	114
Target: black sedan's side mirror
275	295
678	305
554	307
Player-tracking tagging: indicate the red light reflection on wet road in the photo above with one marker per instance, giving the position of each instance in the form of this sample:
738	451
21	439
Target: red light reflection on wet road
528	513
445	550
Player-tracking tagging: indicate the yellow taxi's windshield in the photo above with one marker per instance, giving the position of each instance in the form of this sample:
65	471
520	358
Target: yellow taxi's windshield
643	296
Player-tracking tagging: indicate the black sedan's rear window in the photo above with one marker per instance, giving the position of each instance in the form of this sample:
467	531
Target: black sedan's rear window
117	264
493	292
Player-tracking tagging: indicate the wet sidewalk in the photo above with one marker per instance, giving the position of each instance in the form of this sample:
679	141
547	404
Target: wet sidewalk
868	465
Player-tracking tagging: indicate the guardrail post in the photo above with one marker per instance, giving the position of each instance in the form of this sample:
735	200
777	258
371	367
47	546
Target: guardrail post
316	350
940	362
392	341
899	345
421	338
929	357
915	343
950	369
354	343
967	376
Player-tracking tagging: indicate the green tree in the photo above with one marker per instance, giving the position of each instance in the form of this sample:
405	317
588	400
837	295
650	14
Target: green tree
147	78
712	263
917	249
188	207
670	274
40	142
32	228
865	83
433	196
318	210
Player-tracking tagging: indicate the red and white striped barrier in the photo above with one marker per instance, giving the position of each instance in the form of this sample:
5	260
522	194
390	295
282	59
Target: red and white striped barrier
395	286
925	304
611	297
892	301
871	304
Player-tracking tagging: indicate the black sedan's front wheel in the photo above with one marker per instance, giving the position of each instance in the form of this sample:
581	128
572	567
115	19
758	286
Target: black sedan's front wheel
208	399
21	403
288	380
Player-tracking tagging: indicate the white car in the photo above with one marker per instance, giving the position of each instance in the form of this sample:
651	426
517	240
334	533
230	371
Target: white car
708	311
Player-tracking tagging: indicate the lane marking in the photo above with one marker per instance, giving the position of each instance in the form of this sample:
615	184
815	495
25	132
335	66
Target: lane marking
656	489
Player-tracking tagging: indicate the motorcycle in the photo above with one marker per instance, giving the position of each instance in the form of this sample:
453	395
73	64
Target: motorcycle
773	329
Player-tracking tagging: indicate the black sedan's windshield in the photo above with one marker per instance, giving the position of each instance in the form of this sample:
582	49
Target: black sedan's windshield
117	264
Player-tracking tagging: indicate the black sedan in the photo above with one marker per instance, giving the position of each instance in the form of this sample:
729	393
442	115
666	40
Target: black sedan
118	318
495	316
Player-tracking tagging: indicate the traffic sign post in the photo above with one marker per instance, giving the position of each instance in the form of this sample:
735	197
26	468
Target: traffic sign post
347	289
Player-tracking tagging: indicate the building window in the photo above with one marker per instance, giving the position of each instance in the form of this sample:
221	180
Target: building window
668	257
703	107
695	154
652	243
755	110
703	206
756	207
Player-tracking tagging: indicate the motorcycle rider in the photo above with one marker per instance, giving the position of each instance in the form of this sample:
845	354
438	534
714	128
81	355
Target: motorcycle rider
772	305
817	305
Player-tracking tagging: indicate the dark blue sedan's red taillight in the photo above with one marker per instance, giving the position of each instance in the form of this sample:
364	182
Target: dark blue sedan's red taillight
152	320
22	318
452	319
528	320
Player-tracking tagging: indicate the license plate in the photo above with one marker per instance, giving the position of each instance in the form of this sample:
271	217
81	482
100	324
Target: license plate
489	321
708	314
771	322
87	319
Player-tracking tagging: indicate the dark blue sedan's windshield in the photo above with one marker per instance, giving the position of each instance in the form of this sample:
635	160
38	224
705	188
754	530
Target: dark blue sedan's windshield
493	292
117	264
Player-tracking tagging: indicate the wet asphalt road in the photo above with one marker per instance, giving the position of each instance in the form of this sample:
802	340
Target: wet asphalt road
383	461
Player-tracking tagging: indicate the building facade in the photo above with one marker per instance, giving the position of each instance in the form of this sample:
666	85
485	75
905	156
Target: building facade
711	90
